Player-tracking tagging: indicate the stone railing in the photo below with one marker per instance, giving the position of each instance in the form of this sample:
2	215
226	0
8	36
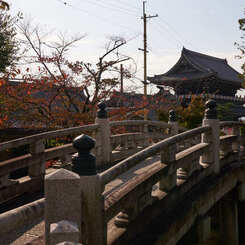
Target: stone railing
34	161
231	141
109	148
138	135
176	166
132	198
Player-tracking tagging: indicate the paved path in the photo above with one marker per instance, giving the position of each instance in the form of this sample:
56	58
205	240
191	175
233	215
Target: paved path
33	235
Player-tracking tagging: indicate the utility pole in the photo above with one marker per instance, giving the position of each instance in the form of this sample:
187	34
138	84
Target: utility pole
121	73
145	17
121	89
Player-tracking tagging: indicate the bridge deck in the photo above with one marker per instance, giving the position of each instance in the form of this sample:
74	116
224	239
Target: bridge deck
34	234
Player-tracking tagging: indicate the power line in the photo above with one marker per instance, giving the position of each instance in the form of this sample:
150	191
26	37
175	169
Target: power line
160	30
170	27
90	13
111	7
121	5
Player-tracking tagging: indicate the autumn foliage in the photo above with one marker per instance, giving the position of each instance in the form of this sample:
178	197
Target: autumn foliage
191	116
52	91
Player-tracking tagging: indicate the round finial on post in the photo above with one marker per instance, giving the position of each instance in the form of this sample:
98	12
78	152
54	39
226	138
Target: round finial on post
102	113
210	112
172	116
84	163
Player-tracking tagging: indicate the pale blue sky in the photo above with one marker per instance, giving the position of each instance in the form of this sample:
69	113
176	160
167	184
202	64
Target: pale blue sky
209	26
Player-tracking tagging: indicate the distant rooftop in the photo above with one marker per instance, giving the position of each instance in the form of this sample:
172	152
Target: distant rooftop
203	66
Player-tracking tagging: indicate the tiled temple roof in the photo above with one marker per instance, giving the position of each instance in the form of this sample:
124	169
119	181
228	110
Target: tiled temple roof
204	66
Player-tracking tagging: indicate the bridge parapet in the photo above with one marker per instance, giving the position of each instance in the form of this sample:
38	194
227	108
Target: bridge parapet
34	161
110	147
176	166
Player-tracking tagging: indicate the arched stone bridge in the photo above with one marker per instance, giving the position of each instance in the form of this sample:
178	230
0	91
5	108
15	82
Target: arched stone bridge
149	182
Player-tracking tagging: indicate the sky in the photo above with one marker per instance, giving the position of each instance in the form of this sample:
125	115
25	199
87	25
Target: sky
210	27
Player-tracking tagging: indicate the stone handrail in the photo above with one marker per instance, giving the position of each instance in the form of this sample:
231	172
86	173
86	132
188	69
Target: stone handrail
47	135
128	163
142	134
140	122
136	194
162	179
34	161
127	201
140	185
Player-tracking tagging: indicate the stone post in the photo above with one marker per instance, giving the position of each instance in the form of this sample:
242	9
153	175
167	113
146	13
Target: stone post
103	143
146	135
94	228
236	145
128	214
210	119
62	207
228	220
38	169
172	120
168	156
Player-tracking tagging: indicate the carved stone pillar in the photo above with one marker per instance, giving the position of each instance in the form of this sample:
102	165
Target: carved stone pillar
103	143
168	156
210	119
94	227
38	169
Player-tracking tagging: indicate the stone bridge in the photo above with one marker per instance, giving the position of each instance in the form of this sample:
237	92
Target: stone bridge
148	182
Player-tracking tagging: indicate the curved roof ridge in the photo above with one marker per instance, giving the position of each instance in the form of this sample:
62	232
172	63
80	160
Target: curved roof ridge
169	71
188	51
197	66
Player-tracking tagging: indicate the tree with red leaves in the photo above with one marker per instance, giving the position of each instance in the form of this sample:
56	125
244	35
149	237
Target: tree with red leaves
53	91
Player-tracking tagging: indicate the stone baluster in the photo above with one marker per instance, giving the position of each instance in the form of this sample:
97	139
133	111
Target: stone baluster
103	144
174	130
62	207
236	144
128	214
172	120
210	119
122	143
125	143
131	142
193	165
5	181
37	170
94	228
225	148
133	208
168	156
145	130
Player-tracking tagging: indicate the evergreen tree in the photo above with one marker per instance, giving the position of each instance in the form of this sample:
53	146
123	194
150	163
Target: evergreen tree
8	42
241	46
